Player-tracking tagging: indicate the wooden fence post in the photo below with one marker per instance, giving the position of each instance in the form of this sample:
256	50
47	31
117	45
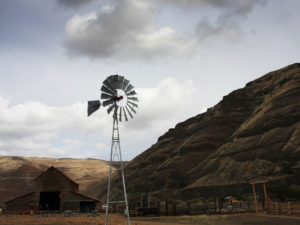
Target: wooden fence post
167	208
290	208
174	209
266	199
254	195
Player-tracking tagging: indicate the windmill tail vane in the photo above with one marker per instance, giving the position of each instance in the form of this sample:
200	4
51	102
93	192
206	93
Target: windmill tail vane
119	96
93	106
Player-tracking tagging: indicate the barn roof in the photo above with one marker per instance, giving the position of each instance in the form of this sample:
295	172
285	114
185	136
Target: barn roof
86	196
52	167
22	196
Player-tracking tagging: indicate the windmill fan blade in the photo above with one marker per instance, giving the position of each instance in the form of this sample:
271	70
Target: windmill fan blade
129	88
132	109
114	84
108	85
120	81
126	82
108	102
93	106
106	96
131	103
126	118
107	90
113	81
131	93
129	112
110	108
133	99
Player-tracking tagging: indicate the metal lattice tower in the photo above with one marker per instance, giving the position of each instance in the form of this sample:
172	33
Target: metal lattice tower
120	97
116	152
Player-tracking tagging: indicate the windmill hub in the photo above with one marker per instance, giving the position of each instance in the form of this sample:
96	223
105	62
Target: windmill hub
121	98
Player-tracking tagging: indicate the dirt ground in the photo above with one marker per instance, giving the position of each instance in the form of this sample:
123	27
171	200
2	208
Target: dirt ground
249	219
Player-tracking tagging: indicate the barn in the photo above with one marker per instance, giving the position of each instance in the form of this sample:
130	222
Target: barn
54	191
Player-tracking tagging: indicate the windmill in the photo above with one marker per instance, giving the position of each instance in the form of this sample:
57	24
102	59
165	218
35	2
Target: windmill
119	96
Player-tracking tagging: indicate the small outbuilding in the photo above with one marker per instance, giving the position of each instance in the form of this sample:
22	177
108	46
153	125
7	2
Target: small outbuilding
54	191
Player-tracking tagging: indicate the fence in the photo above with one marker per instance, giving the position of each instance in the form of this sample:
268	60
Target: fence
229	207
289	208
189	208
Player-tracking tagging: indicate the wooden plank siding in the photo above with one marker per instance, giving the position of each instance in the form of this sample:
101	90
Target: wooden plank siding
54	180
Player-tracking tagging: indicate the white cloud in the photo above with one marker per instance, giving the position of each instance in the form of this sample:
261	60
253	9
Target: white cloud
36	129
164	101
32	128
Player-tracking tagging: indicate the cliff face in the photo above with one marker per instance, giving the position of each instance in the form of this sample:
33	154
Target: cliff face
252	134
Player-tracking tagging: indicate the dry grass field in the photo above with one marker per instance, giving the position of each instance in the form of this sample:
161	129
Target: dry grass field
249	219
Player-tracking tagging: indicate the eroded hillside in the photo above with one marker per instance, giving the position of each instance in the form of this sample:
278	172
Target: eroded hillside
252	134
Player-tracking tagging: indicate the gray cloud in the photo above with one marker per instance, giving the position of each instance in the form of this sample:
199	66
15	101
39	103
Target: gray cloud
74	3
222	30
127	30
231	7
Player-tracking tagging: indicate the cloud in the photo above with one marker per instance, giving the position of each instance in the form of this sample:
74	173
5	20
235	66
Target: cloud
168	99
74	3
124	29
230	7
223	30
33	128
128	30
36	129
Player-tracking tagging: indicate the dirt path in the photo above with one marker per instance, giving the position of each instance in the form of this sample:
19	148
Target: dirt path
247	219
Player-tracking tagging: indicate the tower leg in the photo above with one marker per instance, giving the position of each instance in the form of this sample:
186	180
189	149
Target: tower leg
109	176
124	185
115	145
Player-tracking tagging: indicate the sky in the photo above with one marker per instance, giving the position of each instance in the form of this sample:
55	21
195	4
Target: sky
182	56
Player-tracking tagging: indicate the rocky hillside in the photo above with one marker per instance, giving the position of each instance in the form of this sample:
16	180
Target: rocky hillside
252	134
17	174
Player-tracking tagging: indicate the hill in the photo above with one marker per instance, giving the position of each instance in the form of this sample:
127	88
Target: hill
17	174
253	133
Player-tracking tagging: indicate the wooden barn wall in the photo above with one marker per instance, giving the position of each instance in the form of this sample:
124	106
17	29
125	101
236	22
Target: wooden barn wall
71	201
23	203
52	180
